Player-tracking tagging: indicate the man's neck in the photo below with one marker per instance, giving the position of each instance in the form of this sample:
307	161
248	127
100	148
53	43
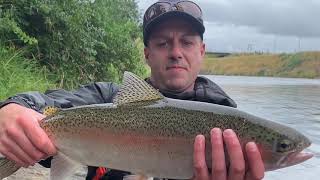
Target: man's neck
188	89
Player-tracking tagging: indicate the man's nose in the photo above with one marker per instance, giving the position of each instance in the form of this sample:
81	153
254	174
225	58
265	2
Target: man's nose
176	51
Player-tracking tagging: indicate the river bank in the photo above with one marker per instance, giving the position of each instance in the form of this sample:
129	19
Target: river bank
38	172
295	65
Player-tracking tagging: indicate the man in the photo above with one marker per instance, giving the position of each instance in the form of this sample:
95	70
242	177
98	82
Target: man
174	50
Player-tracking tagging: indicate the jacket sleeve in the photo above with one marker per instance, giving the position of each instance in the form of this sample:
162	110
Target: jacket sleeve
95	93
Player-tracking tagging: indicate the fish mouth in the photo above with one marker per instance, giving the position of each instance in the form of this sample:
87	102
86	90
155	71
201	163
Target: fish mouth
294	158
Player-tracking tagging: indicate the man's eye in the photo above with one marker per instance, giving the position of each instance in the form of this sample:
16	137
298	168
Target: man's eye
187	43
162	44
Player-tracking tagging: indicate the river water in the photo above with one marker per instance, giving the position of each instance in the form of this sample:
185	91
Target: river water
294	102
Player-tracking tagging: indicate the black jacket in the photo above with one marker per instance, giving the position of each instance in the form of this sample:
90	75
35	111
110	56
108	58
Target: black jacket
103	92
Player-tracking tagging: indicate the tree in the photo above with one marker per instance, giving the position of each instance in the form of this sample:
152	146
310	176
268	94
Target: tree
77	40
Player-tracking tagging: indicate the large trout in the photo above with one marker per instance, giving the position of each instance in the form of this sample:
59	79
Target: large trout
145	133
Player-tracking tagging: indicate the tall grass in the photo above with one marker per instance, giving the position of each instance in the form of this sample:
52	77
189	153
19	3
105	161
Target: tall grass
19	75
302	65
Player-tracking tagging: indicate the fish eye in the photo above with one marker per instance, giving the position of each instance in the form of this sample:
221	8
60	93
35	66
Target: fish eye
284	145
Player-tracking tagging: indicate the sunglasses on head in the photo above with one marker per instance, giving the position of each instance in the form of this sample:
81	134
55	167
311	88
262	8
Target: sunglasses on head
159	8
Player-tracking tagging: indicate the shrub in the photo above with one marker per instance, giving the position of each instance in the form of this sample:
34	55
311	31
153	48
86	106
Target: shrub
77	40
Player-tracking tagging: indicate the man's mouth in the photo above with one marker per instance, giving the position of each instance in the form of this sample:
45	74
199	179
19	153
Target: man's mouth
176	68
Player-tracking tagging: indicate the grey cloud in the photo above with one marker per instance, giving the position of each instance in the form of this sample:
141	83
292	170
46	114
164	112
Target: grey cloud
281	17
259	25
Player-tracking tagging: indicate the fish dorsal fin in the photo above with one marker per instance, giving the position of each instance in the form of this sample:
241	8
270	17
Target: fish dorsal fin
50	110
134	90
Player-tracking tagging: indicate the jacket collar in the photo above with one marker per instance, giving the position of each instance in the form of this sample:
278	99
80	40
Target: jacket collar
204	90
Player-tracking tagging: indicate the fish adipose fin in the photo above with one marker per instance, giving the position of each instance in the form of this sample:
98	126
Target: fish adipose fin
62	167
7	167
136	90
50	110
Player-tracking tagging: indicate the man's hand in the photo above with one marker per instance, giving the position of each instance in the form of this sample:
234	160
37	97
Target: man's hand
21	138
237	167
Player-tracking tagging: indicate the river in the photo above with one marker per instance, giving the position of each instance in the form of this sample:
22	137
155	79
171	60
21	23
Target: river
294	102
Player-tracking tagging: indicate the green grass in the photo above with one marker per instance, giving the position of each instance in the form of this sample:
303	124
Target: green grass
18	74
297	65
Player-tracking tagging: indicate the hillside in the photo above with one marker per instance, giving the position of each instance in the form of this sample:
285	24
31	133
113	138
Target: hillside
297	65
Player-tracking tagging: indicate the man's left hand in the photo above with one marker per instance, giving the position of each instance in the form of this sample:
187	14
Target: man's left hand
237	168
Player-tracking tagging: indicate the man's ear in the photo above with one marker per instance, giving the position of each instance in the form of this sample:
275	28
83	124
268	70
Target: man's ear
146	54
203	49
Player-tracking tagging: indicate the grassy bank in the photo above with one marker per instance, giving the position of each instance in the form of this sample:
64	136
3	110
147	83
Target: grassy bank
19	75
297	65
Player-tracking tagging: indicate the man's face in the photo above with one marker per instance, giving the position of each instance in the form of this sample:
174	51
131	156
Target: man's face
174	53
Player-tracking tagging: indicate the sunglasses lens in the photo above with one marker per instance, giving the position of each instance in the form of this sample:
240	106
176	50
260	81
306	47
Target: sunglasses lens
190	8
156	10
161	7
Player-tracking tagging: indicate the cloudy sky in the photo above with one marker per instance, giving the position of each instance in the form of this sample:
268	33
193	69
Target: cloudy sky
259	25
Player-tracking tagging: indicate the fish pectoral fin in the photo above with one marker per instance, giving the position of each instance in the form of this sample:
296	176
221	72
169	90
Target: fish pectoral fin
50	110
7	167
62	167
137	177
136	90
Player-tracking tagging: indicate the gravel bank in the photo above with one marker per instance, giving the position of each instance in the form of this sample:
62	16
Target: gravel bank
38	172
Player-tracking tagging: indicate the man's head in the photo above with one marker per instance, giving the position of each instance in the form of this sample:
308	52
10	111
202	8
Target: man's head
174	50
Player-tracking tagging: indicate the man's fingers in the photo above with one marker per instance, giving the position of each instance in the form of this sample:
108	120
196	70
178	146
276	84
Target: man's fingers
21	138
199	160
256	166
15	149
37	136
12	157
24	143
218	157
237	163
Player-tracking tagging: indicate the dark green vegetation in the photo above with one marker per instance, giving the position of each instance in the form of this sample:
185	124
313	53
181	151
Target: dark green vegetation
68	43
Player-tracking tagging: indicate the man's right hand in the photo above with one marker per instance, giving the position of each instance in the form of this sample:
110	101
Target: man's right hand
21	137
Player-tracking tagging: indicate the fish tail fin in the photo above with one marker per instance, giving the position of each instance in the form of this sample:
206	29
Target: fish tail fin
137	177
7	167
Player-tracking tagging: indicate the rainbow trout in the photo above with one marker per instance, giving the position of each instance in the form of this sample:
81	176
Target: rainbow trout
145	133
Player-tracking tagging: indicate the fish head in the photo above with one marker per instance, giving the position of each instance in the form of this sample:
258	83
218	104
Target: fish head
285	150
